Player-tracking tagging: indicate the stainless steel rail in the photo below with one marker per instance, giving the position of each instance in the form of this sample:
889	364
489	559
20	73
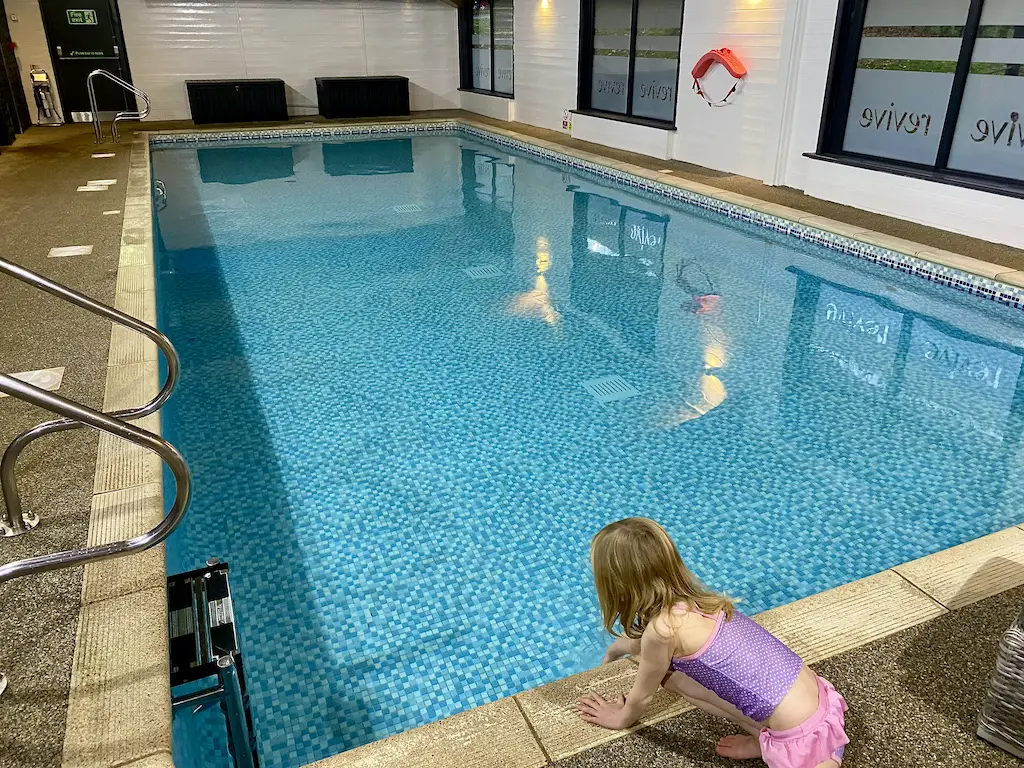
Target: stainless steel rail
97	125
104	423
18	521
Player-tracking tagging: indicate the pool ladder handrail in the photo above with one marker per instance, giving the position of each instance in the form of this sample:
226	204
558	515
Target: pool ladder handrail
76	416
97	124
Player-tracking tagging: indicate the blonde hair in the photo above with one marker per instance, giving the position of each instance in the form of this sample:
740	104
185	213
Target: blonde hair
639	575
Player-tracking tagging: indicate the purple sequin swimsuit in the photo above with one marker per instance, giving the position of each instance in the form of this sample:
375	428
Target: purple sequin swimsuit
744	664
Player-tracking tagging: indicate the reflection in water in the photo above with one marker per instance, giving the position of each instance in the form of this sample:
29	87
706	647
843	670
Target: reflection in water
244	165
368	158
877	354
618	261
537	303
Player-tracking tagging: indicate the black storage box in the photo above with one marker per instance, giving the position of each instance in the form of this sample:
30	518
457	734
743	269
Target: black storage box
363	96
237	101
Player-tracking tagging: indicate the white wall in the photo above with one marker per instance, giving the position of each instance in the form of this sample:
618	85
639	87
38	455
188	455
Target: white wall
546	60
171	41
736	137
32	49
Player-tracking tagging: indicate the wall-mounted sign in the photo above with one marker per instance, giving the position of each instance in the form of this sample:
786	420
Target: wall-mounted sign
566	120
76	17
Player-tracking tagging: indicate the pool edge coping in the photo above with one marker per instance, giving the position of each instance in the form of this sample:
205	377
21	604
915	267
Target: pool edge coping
122	668
119	702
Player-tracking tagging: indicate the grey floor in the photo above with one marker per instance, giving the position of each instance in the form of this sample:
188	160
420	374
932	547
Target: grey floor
40	209
913	696
914	699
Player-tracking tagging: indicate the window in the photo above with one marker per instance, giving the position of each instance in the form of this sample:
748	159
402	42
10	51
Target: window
629	58
485	42
933	89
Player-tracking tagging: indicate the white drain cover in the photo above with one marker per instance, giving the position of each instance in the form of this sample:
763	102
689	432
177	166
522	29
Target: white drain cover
484	271
412	208
608	389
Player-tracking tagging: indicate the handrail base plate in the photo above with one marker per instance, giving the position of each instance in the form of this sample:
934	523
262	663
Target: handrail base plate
31	521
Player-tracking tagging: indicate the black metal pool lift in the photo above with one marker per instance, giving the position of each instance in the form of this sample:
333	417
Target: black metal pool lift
204	644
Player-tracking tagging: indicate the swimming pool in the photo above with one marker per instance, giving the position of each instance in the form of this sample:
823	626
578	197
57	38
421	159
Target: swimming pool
420	371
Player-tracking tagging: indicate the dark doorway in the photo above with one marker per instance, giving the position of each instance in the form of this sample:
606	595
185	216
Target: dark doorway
14	116
85	35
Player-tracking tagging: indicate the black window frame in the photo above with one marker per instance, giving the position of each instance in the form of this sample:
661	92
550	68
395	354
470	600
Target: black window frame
466	52
839	97
588	11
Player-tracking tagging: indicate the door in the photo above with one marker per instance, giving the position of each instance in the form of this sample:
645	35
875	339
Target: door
85	35
13	106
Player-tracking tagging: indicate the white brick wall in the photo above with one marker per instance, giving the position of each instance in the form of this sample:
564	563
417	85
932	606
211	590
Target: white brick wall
171	41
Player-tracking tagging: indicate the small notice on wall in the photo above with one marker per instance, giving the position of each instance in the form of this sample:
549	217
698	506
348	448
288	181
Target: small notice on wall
566	120
82	17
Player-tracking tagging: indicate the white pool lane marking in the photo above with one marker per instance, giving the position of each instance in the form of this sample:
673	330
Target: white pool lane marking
49	379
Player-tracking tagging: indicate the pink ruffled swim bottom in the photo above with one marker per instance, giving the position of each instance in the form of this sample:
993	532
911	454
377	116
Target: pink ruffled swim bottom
820	739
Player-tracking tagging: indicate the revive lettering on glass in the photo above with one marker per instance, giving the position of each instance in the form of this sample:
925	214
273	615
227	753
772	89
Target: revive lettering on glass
989	129
891	120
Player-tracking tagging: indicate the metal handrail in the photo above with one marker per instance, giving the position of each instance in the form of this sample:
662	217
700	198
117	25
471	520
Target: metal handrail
174	460
12	498
97	125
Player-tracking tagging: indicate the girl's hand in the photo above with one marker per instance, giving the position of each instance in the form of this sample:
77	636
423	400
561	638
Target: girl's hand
613	654
595	708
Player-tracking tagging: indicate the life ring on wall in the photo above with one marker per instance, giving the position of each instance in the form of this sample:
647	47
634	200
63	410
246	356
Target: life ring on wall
727	59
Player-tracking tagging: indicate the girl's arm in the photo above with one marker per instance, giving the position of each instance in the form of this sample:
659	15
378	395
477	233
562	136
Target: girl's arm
623	646
624	711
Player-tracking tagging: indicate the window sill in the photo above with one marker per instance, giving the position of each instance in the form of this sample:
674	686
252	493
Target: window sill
991	184
495	94
661	125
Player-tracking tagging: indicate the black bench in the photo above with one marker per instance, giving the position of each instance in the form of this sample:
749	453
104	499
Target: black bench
386	96
237	101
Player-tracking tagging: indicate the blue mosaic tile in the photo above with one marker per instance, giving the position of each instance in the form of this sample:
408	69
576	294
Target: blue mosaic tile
404	471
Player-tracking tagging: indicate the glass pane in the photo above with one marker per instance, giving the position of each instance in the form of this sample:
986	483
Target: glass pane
657	56
503	46
990	132
908	55
613	21
482	45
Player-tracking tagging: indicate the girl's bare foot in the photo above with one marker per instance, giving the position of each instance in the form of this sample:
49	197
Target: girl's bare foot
739	747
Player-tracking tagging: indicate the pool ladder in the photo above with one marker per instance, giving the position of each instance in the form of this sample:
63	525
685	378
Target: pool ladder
97	125
20	521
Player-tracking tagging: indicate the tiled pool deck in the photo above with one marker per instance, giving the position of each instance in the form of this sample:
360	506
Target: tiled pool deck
119	712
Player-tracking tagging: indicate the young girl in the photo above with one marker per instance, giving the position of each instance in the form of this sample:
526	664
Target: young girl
693	642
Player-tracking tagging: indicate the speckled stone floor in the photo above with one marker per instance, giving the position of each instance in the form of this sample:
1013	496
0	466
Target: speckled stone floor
40	209
914	698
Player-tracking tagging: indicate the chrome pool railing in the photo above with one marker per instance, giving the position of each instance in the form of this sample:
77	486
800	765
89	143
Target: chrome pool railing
97	125
18	520
84	416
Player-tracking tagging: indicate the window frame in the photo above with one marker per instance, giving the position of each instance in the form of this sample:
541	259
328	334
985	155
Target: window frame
588	12
466	51
839	96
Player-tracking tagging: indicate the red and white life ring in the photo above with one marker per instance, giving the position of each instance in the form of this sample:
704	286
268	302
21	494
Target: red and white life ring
725	58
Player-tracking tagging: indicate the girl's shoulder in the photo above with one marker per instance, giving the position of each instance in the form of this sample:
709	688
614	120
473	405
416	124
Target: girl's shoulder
685	627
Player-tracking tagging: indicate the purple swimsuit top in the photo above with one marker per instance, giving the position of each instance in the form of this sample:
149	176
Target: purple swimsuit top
744	664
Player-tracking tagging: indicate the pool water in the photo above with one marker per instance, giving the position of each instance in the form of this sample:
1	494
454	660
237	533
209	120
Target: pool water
419	373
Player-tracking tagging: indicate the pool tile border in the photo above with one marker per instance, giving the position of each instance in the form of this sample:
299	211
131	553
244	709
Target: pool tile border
945	268
122	643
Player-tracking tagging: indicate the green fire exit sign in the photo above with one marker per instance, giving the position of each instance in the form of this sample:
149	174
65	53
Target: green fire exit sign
81	17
